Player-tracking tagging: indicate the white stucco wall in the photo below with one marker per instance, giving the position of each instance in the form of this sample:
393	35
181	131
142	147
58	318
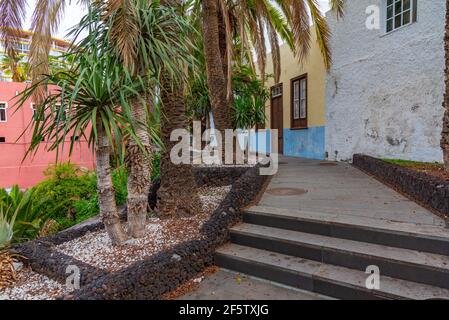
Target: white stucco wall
384	92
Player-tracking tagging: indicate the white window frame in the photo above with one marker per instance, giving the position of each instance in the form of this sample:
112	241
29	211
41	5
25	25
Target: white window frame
303	98
296	96
6	111
276	91
413	15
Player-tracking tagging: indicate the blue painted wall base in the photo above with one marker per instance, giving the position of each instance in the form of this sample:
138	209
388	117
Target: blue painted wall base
307	143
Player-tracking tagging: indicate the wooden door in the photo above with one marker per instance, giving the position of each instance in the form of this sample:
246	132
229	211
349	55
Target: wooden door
277	115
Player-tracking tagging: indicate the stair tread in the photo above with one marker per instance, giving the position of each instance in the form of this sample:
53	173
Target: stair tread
405	256
389	287
412	229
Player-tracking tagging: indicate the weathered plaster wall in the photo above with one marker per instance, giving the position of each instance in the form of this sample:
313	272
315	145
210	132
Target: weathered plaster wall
384	92
308	143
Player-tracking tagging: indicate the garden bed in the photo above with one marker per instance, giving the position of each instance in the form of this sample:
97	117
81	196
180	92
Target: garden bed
172	253
423	183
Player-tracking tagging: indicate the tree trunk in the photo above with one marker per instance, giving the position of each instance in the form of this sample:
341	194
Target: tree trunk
445	131
139	173
222	36
178	192
106	194
216	80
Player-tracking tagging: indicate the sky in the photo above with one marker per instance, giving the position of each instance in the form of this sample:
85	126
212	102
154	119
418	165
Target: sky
74	13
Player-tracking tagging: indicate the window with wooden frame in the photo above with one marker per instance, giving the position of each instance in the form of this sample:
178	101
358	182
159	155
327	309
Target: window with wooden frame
298	103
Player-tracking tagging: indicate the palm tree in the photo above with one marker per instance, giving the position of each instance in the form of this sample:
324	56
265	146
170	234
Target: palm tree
147	38
177	194
16	67
445	131
92	100
45	21
250	20
143	37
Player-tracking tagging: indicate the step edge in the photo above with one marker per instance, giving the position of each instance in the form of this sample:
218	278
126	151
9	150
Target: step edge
347	251
382	293
380	228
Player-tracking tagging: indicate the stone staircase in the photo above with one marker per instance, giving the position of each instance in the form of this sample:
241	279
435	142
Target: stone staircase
328	254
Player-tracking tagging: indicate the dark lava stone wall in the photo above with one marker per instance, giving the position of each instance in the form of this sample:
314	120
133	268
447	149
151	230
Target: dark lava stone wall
217	176
163	272
151	278
429	191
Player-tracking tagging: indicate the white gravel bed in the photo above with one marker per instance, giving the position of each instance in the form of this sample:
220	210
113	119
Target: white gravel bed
95	248
33	286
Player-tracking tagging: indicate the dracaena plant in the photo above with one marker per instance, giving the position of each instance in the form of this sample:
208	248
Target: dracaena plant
90	100
149	39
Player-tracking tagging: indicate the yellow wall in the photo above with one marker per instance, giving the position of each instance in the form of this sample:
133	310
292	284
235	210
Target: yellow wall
313	65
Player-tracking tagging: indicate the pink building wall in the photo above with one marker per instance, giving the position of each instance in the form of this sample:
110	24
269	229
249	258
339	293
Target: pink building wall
29	172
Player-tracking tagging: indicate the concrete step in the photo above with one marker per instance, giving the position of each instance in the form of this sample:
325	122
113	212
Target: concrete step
406	264
426	238
338	282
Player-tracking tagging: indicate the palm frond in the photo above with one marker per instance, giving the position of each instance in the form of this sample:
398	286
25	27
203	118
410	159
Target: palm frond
124	30
45	21
321	30
12	16
338	6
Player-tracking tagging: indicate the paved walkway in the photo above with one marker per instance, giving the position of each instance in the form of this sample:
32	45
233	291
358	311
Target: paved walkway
326	187
341	188
228	285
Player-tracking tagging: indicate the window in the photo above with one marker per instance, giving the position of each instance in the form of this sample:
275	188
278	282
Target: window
400	13
33	108
2	139
299	102
276	91
3	117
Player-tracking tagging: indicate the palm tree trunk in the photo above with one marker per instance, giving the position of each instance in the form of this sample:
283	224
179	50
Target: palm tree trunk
106	193
445	131
222	44
178	192
216	79
139	173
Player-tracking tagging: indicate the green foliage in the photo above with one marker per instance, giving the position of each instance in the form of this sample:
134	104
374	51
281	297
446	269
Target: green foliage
6	228
71	194
21	211
250	97
65	184
88	207
197	99
156	173
408	163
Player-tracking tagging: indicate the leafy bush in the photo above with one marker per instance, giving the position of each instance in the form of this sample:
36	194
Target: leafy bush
6	228
67	197
250	97
88	207
20	210
66	183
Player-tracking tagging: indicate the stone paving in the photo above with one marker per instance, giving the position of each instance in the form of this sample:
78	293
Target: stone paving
228	285
341	188
317	186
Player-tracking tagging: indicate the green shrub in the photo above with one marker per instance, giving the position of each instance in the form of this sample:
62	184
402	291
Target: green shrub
20	210
6	228
88	207
66	183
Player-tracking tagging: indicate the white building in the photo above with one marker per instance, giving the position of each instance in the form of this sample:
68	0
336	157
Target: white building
384	92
